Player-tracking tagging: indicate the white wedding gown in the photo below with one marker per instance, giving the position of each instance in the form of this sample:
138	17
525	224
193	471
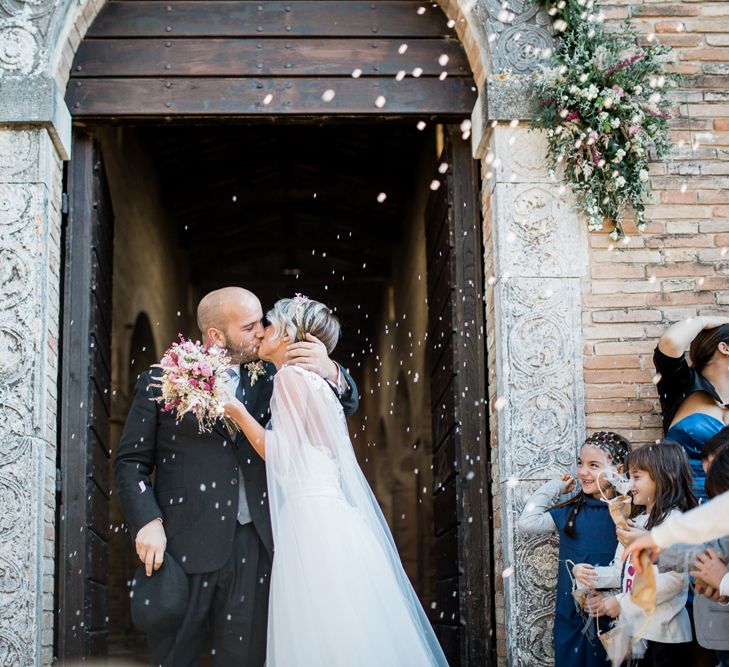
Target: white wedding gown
339	594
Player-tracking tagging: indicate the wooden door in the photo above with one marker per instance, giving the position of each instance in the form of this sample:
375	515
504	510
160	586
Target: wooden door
85	406
463	615
242	59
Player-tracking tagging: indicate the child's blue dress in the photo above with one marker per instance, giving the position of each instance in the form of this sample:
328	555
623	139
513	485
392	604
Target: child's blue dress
595	542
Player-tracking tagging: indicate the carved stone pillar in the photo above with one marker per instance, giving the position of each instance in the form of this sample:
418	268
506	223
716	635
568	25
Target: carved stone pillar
539	252
30	219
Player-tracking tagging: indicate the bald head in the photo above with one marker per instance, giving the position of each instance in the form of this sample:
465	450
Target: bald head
214	308
231	317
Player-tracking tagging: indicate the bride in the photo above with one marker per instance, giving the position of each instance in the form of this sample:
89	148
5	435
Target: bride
339	594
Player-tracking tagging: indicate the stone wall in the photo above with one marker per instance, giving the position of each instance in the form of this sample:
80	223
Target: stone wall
30	253
535	257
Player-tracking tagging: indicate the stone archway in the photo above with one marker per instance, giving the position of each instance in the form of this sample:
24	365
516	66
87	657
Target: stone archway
526	220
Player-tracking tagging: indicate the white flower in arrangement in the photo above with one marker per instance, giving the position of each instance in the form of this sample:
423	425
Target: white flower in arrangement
255	369
619	155
620	182
601	58
591	92
575	89
643	175
587	170
638	90
615	122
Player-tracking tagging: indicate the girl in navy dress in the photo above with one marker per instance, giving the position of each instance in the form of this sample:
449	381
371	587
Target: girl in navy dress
586	535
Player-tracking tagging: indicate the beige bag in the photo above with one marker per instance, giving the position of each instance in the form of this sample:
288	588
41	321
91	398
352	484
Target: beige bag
643	592
620	507
616	643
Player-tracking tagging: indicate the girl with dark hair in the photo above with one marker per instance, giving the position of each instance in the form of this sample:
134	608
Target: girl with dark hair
586	535
693	397
661	481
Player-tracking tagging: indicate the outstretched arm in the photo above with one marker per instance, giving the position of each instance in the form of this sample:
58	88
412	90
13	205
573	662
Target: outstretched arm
255	433
535	519
678	336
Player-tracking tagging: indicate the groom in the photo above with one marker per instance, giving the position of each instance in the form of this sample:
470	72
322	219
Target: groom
208	505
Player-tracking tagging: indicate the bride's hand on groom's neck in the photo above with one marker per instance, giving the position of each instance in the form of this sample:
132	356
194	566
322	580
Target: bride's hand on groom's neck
313	356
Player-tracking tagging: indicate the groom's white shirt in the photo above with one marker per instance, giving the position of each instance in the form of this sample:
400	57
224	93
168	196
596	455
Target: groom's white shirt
244	513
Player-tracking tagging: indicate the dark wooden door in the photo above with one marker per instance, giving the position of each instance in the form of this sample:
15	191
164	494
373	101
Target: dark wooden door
245	59
85	406
463	615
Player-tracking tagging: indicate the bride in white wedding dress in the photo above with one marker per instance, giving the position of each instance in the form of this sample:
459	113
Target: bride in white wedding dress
339	594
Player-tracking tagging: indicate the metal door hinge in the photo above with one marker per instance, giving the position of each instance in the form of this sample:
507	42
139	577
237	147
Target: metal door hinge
64	203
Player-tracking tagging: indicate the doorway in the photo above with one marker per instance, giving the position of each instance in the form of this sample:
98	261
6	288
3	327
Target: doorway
305	147
354	215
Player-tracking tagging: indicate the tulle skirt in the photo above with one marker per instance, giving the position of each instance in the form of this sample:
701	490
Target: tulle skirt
335	601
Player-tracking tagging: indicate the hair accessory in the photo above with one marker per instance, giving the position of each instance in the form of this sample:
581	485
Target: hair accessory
611	443
300	301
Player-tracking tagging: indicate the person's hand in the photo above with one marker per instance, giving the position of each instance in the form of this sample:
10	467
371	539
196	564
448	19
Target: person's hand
585	575
710	568
627	535
569	483
593	604
313	356
639	544
151	543
611	606
232	406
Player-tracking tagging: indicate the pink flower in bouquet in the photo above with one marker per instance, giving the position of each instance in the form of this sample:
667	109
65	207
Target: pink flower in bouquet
188	382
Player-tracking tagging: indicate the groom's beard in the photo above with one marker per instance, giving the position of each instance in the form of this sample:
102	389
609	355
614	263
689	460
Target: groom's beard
239	354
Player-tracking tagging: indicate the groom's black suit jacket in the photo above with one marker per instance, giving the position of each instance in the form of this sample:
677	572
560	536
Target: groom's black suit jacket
195	489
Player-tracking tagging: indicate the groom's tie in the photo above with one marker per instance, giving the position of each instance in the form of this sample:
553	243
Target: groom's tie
237	383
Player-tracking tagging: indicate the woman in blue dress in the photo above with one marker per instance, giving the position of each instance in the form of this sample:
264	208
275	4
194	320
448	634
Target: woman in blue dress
586	535
694	397
694	404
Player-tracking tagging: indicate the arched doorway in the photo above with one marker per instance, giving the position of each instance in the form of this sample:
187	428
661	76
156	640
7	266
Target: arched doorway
370	86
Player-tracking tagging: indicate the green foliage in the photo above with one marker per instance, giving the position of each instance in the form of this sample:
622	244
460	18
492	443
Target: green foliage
603	104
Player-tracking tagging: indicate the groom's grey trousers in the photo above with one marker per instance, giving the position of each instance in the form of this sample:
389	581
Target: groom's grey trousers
232	603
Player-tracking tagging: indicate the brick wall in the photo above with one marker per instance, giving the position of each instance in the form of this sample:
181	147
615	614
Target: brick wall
680	266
